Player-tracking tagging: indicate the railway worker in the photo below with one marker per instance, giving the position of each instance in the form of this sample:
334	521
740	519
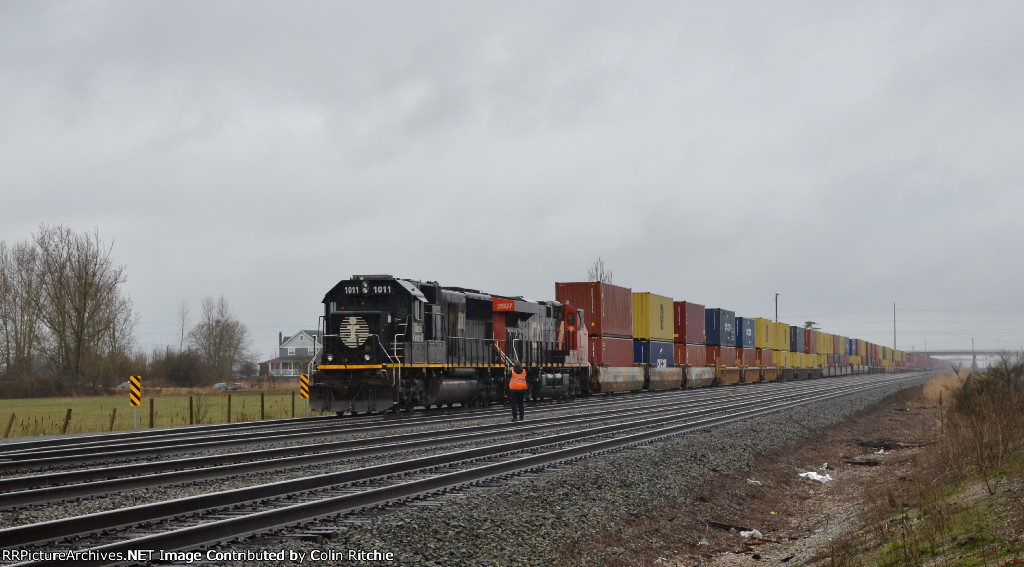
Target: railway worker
517	391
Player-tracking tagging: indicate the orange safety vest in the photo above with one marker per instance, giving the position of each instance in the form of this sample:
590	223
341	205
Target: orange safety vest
518	381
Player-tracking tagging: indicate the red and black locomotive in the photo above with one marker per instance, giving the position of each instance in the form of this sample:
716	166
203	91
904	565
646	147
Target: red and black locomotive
391	343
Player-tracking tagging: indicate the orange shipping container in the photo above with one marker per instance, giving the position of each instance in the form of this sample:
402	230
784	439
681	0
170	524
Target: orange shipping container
690	355
608	308
726	356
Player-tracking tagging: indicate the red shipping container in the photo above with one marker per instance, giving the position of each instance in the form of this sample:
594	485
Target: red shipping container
726	356
613	351
810	341
689	322
746	356
764	357
690	355
608	308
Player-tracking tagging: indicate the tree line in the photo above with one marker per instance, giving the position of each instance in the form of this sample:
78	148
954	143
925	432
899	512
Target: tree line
67	326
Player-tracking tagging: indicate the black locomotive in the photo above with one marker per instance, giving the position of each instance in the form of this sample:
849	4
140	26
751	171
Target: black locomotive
393	343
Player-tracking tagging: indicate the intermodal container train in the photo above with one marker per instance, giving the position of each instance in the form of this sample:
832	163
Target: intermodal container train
393	343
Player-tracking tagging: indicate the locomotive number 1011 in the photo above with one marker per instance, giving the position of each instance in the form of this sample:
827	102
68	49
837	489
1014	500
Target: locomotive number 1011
367	289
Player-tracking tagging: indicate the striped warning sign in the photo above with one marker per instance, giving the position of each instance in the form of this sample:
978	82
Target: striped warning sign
135	390
304	386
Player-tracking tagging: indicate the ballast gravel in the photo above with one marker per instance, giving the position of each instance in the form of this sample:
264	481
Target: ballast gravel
532	520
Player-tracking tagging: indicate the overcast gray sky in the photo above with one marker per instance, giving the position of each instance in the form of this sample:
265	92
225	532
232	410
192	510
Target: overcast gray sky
847	155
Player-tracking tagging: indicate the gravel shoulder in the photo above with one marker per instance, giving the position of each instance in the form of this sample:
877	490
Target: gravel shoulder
635	507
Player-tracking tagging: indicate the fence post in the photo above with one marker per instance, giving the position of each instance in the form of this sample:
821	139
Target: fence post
190	422
293	404
229	408
262	408
151	413
10	422
113	415
67	420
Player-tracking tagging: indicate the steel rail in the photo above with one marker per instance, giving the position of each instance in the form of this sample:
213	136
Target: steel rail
20	460
48	531
240	526
40	489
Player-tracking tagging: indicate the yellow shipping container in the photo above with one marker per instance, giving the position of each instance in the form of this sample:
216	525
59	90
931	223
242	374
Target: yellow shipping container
825	343
781	358
781	336
652	317
763	337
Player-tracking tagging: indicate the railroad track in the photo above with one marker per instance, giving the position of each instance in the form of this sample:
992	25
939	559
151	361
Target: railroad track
56	487
227	515
30	456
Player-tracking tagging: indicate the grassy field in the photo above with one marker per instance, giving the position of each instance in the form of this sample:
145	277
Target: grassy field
45	416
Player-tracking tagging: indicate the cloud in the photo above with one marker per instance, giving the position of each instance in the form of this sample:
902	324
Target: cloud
843	155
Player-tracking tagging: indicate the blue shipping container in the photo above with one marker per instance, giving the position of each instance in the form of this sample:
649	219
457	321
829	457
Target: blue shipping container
720	327
745	332
655	353
796	339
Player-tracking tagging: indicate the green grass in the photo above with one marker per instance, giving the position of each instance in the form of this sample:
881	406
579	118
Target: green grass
45	416
952	530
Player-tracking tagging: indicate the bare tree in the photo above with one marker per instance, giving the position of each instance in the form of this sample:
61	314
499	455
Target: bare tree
80	304
182	324
19	317
812	325
598	273
219	338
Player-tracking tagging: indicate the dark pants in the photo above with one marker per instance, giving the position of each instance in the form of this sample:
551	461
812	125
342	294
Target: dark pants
518	398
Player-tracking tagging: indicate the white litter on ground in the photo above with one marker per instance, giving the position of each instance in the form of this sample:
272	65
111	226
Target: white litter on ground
815	476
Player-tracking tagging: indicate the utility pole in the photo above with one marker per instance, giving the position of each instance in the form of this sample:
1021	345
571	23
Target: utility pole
776	307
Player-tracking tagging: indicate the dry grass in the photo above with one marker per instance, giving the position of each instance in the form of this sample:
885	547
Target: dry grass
929	505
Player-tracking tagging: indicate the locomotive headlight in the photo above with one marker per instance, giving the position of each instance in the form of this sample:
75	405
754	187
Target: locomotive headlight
330	358
366	357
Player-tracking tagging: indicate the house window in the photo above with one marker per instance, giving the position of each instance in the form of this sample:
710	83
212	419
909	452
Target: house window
291	351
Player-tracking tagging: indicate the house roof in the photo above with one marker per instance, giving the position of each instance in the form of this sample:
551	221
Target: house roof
300	337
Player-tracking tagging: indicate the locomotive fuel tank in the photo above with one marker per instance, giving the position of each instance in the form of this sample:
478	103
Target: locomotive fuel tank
451	391
553	385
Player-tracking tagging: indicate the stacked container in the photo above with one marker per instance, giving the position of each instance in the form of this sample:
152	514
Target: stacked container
780	343
608	313
653	329
721	336
689	337
746	354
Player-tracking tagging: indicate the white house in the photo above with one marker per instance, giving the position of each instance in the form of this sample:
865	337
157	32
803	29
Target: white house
294	354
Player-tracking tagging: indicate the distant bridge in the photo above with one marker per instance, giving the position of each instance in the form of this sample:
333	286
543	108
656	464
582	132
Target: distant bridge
965	352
